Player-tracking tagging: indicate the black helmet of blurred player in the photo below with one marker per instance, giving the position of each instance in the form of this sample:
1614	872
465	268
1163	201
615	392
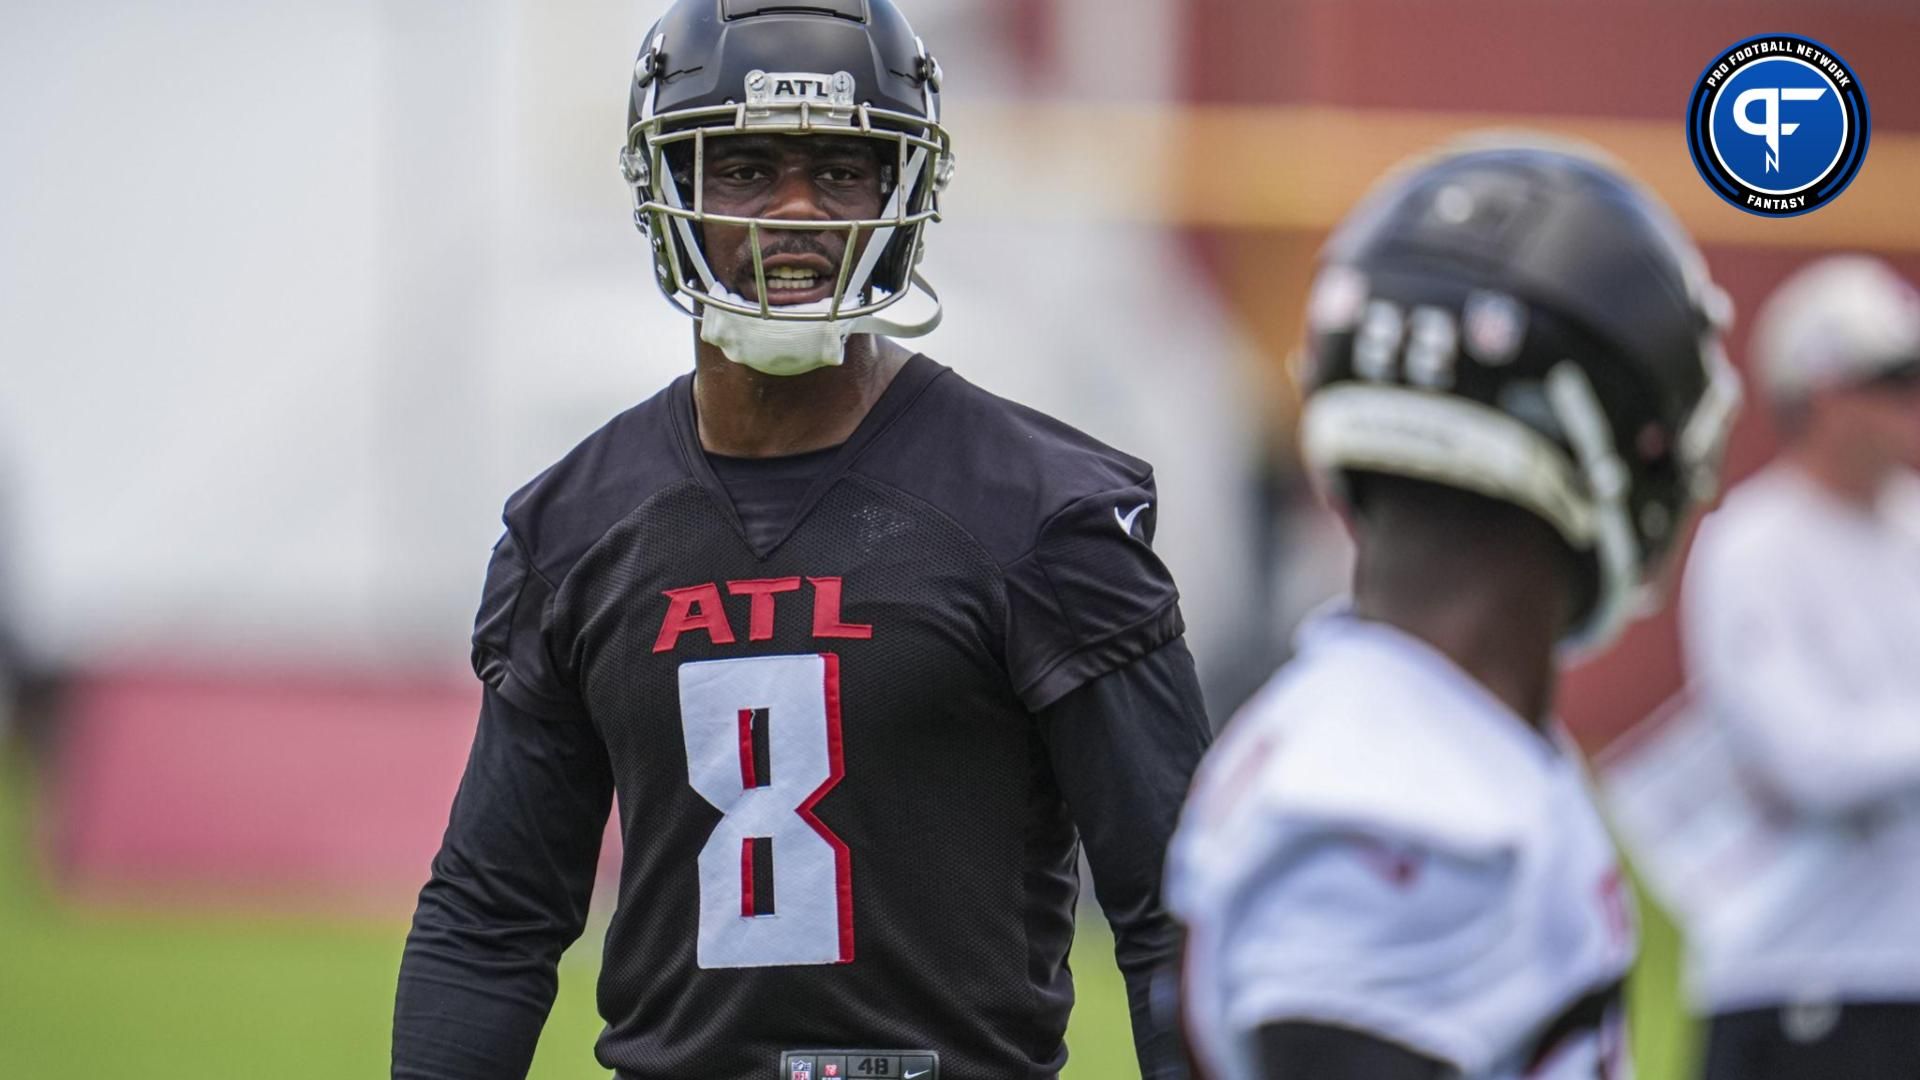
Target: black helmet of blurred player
718	69
1521	321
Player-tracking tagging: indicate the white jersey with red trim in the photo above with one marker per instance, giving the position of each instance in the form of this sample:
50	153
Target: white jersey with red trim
1378	844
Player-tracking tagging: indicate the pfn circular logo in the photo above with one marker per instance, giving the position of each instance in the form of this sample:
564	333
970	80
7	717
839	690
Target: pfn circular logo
1778	125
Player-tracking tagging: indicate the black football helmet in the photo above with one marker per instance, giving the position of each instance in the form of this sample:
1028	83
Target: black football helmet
717	68
1519	320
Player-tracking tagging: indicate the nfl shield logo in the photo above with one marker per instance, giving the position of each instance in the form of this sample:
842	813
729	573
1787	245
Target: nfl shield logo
802	1070
1494	324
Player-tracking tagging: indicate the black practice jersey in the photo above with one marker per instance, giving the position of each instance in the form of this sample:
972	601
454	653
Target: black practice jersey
843	807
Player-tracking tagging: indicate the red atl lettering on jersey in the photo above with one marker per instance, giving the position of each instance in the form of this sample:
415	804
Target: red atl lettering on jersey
826	612
699	607
695	608
760	619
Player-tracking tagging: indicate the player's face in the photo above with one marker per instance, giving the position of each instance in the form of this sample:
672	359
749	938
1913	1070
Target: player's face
788	178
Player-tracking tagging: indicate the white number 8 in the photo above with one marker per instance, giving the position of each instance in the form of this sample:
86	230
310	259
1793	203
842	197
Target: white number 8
763	746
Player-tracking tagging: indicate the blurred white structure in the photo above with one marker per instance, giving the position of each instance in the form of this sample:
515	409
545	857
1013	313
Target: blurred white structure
292	297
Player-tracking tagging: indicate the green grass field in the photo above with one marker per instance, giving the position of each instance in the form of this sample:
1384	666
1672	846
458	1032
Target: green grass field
101	995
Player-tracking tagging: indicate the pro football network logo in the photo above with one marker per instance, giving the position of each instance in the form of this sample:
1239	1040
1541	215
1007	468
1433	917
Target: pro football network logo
1778	125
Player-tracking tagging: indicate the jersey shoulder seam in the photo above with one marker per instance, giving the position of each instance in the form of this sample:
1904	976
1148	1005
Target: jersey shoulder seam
650	415
600	540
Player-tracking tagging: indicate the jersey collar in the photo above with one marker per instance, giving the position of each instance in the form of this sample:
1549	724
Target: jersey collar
914	377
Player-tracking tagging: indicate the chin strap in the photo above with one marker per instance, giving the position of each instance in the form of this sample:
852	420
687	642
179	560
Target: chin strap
880	323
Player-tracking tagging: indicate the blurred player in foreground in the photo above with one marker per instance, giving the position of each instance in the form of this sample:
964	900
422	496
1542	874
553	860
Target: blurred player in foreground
1391	867
866	652
1802	627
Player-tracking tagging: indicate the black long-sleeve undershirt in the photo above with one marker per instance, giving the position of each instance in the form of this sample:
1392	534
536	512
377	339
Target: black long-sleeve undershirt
509	893
1124	747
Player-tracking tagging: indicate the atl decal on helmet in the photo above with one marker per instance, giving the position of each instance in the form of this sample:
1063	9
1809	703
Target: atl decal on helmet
1778	125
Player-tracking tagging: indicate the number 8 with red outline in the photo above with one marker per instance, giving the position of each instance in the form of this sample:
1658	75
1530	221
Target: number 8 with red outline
763	746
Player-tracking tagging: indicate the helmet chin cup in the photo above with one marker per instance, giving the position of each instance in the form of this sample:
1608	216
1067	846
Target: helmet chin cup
775	348
787	347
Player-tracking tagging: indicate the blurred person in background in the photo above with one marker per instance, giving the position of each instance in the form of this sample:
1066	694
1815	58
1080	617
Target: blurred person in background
1391	867
866	652
1802	633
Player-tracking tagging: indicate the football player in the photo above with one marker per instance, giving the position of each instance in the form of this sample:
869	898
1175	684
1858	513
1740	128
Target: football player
866	653
1802	613
1391	868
